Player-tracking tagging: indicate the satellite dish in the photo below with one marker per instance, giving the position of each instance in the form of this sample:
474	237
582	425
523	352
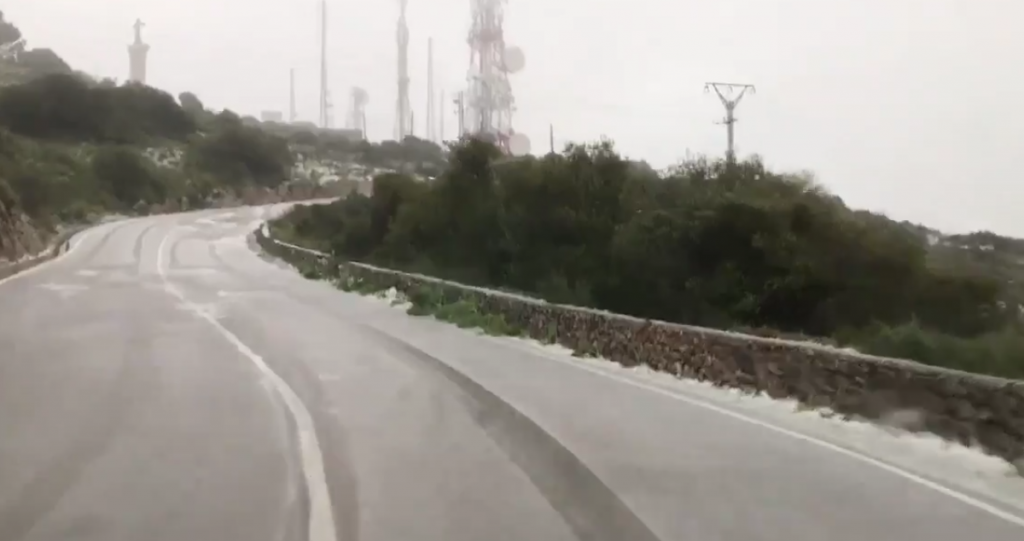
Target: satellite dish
515	59
519	144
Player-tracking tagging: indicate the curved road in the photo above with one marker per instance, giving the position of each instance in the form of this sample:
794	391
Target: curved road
162	381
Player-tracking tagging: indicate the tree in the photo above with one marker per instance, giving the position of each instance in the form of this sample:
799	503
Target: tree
190	103
128	176
390	192
241	155
63	106
710	242
36	194
43	61
9	33
55	106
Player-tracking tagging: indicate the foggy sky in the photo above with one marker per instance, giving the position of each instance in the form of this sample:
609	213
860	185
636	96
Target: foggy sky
901	106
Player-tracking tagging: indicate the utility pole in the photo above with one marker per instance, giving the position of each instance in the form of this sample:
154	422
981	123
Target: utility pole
725	92
431	133
403	118
460	106
325	100
551	137
440	119
292	114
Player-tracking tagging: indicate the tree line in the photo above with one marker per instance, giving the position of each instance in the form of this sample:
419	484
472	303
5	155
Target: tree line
70	146
722	244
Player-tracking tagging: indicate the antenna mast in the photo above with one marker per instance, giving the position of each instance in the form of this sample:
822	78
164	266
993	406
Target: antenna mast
431	119
403	116
325	96
460	109
725	92
489	101
292	114
357	114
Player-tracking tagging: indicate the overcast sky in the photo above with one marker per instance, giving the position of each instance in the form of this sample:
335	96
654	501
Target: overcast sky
910	107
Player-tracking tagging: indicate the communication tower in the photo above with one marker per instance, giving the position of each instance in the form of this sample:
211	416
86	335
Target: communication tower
325	94
357	112
403	111
489	101
293	115
431	134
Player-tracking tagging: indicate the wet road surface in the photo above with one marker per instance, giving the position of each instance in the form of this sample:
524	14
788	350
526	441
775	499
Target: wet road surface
163	381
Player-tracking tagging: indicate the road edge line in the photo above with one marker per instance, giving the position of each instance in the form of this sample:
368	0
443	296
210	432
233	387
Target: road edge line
806	438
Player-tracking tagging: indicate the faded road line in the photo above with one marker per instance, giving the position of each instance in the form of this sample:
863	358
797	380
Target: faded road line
849	453
321	514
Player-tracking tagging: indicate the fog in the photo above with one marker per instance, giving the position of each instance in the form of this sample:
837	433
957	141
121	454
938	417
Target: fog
904	106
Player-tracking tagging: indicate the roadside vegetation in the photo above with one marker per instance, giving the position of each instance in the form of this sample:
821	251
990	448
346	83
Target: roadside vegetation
424	300
709	243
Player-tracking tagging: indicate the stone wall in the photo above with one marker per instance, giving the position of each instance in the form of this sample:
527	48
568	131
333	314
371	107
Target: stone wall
958	406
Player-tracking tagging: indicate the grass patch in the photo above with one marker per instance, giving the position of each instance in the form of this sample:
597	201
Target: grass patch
424	300
429	300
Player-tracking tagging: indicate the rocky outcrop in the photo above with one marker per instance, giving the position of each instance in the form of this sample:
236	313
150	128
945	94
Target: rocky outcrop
59	245
18	238
962	407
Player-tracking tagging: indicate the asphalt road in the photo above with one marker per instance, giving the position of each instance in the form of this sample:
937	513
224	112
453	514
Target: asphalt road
163	381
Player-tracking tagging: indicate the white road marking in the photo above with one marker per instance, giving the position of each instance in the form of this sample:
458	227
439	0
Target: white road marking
245	293
64	290
321	515
87	272
80	238
910	476
190	271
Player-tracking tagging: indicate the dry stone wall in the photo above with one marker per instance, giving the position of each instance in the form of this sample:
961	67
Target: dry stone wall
958	406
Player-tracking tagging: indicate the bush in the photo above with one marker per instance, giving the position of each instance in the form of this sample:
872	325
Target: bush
128	177
65	107
713	243
240	155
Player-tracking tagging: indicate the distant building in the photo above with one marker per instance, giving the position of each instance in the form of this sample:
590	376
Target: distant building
301	125
272	116
350	134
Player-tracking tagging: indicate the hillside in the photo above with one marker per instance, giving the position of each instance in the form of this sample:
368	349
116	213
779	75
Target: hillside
19	63
73	149
709	243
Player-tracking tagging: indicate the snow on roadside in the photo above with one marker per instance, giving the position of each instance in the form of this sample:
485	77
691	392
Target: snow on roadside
393	297
966	468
